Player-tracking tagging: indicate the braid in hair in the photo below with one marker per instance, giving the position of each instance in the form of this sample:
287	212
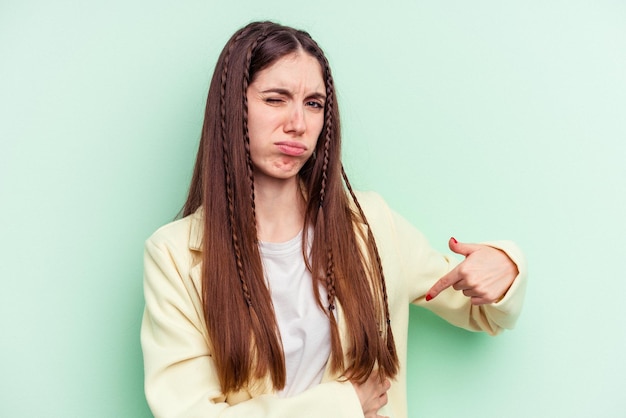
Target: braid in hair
229	182
246	134
328	122
330	275
330	281
383	285
322	225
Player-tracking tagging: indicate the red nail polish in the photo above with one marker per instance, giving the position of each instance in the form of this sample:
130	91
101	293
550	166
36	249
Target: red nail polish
454	240
428	297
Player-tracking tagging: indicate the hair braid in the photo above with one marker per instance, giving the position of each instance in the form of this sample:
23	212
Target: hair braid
246	134
324	222
328	123
330	273
229	182
336	358
330	281
370	237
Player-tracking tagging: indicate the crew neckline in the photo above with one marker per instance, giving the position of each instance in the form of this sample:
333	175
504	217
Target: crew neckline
285	247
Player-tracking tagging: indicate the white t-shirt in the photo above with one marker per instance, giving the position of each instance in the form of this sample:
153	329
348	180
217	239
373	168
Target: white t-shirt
304	328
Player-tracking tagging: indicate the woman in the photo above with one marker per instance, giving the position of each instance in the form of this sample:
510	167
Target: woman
282	292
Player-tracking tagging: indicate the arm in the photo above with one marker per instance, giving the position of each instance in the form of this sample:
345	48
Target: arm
487	275
434	275
180	378
408	258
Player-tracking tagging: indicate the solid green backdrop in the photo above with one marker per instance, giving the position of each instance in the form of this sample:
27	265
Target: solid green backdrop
480	120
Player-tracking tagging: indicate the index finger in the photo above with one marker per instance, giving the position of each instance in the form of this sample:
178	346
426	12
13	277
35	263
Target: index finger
442	284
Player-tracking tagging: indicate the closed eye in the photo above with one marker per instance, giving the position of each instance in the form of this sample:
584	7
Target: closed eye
273	100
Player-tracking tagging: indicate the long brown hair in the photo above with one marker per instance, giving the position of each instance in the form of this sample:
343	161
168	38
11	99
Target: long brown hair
237	303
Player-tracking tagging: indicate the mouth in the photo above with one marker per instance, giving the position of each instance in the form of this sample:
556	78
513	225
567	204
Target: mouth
291	148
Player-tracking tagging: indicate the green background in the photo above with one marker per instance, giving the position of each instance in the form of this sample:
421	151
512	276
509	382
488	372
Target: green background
475	119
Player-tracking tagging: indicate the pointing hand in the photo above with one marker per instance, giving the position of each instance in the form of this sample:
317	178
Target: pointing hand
485	275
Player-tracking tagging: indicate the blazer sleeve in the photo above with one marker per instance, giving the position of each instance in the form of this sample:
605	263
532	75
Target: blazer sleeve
180	375
418	266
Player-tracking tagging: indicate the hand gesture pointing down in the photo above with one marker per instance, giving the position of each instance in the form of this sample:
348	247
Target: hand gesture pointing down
485	275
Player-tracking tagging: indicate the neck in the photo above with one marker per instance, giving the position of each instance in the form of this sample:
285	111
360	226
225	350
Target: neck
280	209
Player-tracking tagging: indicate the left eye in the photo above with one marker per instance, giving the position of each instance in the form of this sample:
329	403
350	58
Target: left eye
314	104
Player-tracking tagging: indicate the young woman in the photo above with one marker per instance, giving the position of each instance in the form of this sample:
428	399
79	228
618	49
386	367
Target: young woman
282	292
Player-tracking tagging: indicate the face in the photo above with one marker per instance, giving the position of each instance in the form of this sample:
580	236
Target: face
285	116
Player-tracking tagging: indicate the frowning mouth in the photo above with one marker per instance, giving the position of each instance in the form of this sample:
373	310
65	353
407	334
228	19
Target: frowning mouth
291	148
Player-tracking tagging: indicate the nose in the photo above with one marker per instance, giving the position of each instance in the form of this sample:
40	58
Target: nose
296	123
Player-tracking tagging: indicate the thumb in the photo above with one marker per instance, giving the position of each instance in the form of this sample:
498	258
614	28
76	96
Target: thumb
462	248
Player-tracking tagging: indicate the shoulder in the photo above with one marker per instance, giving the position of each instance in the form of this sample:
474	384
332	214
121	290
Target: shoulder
179	235
387	225
374	206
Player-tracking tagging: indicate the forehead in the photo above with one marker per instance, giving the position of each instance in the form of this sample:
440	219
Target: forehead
293	70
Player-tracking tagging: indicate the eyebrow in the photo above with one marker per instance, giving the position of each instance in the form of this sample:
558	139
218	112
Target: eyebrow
316	95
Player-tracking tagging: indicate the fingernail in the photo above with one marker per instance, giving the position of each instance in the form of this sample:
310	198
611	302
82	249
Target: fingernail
428	297
454	240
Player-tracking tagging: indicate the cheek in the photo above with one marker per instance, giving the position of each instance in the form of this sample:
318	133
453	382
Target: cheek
262	123
317	126
253	124
258	152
